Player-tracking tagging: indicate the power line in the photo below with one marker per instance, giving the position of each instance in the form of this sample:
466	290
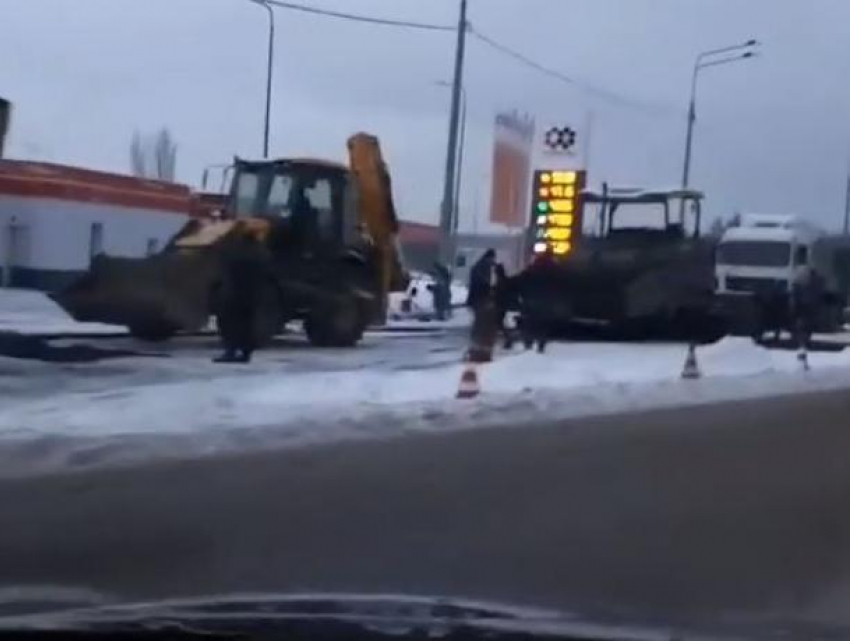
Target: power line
553	73
587	87
521	58
387	22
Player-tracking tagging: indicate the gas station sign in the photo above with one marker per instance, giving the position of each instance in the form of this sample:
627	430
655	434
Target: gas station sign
556	210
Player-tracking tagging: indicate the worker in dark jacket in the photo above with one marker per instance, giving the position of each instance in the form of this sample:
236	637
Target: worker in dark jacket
441	291
244	277
535	288
481	299
481	279
506	301
807	295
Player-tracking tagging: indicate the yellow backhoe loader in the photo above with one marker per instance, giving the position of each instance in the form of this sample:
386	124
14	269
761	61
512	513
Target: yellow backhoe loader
329	234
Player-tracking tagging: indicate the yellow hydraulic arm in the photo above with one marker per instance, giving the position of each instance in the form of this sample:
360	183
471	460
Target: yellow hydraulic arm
376	207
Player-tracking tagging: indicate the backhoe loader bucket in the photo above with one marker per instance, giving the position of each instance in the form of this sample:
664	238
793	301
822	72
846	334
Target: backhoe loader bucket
154	297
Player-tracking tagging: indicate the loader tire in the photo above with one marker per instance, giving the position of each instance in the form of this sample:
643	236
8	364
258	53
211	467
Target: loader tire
340	325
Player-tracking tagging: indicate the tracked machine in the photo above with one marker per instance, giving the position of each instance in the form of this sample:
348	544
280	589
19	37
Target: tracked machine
638	267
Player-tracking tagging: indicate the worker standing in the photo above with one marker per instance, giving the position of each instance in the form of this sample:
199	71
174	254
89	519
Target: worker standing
481	299
244	276
535	293
806	296
441	291
505	296
481	279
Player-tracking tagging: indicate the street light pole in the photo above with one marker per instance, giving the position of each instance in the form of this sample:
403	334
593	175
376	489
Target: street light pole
704	60
446	205
269	75
689	138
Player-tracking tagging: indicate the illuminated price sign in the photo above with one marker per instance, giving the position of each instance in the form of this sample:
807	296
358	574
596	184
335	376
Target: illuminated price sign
556	211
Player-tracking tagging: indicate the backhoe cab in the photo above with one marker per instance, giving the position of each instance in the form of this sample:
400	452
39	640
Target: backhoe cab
325	261
313	200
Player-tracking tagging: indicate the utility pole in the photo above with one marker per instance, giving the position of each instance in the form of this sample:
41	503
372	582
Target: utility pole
448	202
847	207
459	172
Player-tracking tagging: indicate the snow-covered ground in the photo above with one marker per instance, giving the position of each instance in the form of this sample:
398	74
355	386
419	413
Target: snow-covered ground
117	411
171	400
31	312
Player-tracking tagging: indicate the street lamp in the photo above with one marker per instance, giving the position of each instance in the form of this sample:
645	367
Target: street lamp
461	143
269	73
711	58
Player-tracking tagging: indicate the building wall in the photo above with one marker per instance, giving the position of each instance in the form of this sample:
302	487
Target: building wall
45	243
54	218
60	233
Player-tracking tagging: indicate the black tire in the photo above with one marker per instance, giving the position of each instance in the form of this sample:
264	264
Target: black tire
339	325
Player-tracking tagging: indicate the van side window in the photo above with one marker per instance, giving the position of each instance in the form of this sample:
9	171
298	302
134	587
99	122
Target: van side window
801	256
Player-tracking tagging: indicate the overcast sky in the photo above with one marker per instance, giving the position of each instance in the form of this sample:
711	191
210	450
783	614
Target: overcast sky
773	134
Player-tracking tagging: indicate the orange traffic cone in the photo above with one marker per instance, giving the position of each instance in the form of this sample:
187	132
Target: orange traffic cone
469	387
691	369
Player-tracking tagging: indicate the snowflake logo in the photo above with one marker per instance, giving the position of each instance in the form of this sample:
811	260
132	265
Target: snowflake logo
560	138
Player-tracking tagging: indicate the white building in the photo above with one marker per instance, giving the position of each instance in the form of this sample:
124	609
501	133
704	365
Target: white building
55	218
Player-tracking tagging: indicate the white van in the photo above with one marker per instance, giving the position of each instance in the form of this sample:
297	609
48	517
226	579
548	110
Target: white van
757	263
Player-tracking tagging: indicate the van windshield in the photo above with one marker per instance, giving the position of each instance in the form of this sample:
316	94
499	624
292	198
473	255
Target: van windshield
755	253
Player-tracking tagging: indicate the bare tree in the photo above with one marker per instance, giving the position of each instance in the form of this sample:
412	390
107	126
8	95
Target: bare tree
154	156
165	150
5	118
137	157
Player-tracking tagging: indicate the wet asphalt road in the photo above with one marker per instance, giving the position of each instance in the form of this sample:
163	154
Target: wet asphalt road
734	512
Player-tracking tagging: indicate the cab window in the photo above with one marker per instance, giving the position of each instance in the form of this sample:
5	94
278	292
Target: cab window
279	195
320	196
246	192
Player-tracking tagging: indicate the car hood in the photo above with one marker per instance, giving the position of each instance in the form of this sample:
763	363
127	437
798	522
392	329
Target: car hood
330	616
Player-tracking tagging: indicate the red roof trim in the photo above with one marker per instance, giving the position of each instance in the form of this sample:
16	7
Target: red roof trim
59	182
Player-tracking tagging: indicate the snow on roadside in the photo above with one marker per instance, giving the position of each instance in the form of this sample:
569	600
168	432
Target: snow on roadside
291	409
31	312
